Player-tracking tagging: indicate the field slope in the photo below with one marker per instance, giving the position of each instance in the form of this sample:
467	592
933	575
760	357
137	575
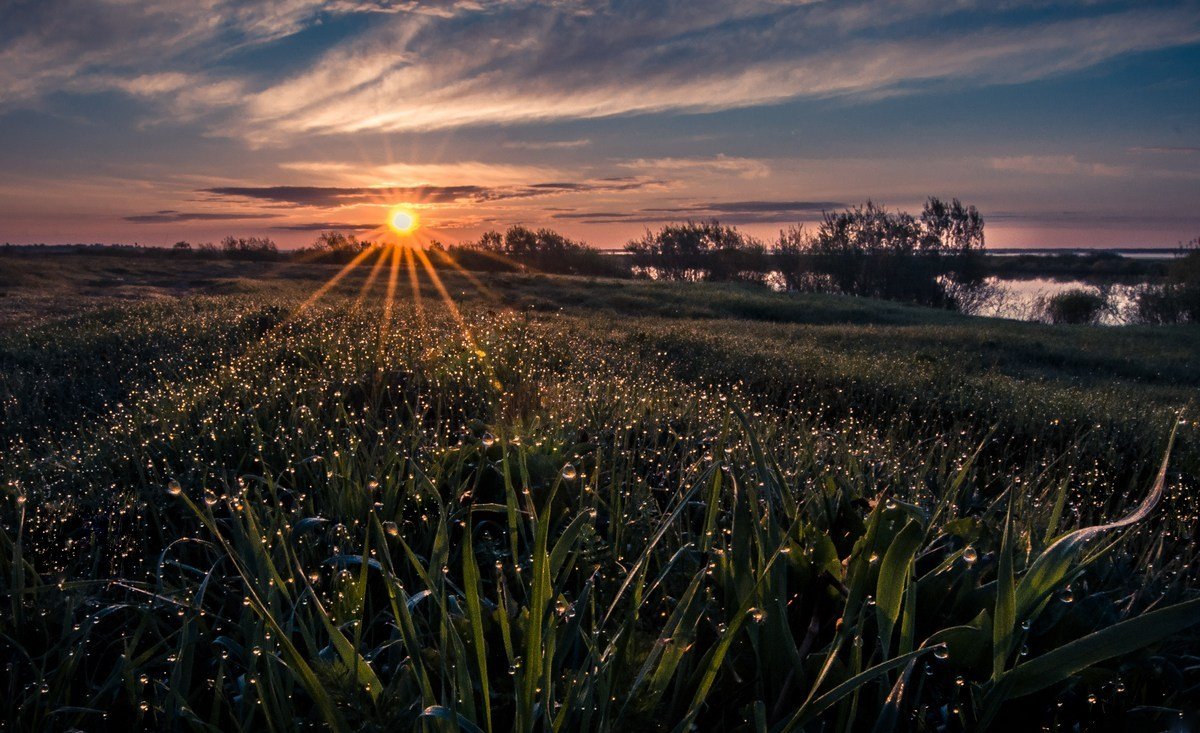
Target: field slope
548	503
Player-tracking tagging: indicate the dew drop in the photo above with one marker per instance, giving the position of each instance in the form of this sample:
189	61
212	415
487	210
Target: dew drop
970	555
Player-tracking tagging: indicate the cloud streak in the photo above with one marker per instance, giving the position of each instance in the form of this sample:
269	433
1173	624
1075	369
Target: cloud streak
428	66
575	60
731	212
337	196
324	226
171	216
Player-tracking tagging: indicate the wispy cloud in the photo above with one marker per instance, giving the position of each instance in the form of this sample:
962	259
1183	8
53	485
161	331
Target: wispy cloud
1073	218
547	144
756	207
720	164
732	212
324	226
1060	165
332	196
1070	165
435	65
575	60
172	216
90	45
414	174
336	196
1167	149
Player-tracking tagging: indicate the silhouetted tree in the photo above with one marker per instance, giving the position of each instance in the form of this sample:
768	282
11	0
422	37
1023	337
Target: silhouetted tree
867	250
333	246
521	249
1177	299
249	248
696	251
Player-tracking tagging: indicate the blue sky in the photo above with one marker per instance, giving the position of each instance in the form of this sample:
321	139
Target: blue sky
1067	124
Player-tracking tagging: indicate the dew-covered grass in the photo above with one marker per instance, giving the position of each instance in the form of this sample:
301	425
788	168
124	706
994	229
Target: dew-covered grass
583	505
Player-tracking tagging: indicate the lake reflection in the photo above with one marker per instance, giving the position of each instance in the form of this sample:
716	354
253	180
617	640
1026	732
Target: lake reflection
1019	299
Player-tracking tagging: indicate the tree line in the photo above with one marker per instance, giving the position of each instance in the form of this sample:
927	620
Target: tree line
933	258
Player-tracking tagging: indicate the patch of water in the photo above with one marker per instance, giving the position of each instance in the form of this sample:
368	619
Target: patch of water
1020	299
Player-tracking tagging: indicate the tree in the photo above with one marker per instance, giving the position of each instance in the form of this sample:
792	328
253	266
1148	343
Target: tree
1177	300
933	260
332	246
952	228
868	250
249	248
182	246
695	251
519	249
338	242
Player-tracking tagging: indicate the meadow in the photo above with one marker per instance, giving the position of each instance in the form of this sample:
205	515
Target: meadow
443	501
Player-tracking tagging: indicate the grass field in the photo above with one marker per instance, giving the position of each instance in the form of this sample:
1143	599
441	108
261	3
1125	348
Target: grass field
569	504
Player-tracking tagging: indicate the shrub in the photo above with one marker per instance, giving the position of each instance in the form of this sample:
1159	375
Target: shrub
1178	299
521	249
867	250
249	248
334	247
696	251
1074	306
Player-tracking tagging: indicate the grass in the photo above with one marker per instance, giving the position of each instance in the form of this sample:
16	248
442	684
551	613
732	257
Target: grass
586	505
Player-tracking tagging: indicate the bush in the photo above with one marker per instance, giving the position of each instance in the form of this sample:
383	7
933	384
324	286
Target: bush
1074	306
521	249
697	251
1178	299
868	250
334	247
1167	303
249	248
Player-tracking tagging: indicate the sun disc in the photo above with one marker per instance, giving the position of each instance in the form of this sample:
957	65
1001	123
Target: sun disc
403	222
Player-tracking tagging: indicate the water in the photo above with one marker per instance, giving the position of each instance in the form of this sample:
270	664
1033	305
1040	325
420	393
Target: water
1016	299
1019	299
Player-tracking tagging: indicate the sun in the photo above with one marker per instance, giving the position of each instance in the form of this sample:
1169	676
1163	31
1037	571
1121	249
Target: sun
402	221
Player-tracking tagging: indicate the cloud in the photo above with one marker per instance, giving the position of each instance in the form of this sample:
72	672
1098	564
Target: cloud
322	226
332	196
587	215
720	164
1069	165
527	62
757	207
438	65
1062	165
730	212
1074	218
170	215
335	196
414	174
547	144
1170	150
91	45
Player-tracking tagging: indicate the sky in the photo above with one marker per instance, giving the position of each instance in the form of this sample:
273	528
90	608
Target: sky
1069	124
